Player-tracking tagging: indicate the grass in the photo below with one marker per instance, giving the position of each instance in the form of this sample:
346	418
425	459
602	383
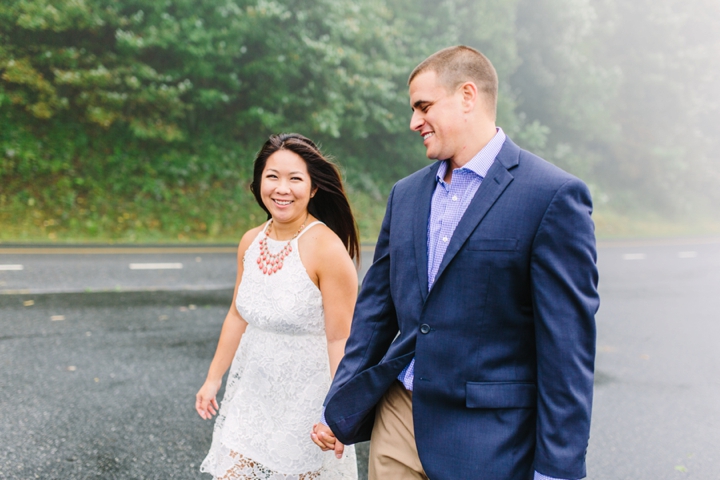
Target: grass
184	217
611	225
188	216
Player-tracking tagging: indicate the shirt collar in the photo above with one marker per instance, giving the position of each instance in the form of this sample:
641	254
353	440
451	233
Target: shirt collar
481	162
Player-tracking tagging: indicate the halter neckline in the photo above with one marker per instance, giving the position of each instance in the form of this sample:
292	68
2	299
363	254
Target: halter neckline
307	227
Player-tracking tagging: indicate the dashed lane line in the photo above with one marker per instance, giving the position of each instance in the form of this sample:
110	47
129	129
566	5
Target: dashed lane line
111	250
156	266
657	242
11	268
118	289
634	256
126	250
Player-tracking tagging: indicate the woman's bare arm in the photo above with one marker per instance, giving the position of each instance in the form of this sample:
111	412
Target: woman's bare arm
330	266
230	335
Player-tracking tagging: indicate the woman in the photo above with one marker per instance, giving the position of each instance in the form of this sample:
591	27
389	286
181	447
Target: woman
294	298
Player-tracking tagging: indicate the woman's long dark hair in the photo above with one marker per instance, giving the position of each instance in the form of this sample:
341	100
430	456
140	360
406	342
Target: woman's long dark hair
330	204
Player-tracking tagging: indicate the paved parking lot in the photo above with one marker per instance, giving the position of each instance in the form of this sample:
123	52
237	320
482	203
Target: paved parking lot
106	392
101	385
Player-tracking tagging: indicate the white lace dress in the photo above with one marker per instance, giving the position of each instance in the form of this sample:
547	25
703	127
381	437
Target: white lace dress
277	381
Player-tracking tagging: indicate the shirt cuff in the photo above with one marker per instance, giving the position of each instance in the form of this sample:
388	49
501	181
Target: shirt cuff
540	476
322	418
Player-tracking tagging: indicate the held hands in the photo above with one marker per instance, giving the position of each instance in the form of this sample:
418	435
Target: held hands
325	439
205	402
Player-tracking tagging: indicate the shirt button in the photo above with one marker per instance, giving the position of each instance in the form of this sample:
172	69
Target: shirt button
445	239
424	328
454	198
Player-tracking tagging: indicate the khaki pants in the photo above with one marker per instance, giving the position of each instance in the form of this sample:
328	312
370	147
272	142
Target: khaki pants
393	453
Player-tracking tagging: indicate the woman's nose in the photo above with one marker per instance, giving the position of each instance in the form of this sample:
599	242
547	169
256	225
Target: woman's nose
283	186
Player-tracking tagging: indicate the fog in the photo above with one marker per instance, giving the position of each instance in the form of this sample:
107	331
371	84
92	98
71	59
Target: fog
632	88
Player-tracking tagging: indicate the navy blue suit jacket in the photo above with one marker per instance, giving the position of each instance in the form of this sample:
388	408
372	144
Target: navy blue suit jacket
504	341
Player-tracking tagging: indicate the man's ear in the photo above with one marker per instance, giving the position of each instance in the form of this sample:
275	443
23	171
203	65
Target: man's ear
469	92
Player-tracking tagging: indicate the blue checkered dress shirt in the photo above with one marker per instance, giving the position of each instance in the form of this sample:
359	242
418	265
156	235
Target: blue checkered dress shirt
448	205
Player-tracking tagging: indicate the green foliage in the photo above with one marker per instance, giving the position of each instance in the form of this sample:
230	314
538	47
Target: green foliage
139	119
140	101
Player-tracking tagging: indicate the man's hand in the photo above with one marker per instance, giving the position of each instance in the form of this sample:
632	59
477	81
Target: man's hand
325	439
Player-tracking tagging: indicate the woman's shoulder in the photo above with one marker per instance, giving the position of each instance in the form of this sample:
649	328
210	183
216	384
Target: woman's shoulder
322	241
321	233
248	238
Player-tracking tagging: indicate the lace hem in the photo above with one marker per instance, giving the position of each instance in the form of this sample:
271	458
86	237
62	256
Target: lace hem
248	469
238	467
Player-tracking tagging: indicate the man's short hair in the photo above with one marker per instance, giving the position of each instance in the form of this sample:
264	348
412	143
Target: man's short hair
459	64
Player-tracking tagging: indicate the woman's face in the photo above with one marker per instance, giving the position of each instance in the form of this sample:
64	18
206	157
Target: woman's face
286	186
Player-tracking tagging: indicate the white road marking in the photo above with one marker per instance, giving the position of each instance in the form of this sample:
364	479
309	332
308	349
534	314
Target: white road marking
156	266
634	256
687	254
11	267
57	318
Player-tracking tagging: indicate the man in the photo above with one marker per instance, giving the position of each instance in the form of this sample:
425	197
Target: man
473	341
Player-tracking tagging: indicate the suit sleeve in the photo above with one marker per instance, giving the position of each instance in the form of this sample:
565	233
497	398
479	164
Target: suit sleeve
565	299
374	324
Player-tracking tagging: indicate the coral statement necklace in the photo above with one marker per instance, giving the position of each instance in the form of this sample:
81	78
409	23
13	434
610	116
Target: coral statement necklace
270	263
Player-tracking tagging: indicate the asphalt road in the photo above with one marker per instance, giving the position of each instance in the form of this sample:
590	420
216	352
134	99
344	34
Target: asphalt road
43	270
657	398
107	391
101	385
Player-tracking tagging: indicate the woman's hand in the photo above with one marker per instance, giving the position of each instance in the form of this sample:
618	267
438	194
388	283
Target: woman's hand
325	439
205	402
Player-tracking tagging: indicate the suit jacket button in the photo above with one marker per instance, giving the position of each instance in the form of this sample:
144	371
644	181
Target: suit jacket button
424	328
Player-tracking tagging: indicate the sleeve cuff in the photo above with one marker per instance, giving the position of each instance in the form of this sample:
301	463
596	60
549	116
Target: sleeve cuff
540	476
322	418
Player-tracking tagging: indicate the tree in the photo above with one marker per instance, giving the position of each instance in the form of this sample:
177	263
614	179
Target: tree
666	108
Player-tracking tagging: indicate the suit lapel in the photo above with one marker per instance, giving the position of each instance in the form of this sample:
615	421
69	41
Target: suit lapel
492	186
422	215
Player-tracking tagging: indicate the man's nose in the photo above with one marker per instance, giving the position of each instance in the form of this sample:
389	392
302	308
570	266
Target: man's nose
416	122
